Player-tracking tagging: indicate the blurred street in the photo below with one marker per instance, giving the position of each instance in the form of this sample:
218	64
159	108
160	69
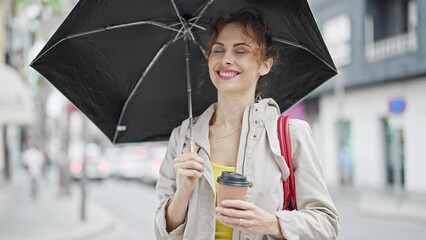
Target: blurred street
367	122
377	215
132	203
50	215
123	209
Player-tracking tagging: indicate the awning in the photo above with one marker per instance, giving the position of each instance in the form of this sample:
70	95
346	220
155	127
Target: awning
16	104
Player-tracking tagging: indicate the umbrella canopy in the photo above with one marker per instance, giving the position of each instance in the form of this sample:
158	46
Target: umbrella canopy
122	63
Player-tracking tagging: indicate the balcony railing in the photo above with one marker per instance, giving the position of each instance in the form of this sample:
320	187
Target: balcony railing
391	46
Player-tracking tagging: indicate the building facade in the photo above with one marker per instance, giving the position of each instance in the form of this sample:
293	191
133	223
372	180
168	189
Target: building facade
16	102
369	121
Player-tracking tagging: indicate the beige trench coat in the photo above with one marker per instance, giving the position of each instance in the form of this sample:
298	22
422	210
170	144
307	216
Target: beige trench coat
260	160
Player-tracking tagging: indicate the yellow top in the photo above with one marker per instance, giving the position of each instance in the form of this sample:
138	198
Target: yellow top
222	232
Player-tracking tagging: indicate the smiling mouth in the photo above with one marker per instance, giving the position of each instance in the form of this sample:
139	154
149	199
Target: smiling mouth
227	74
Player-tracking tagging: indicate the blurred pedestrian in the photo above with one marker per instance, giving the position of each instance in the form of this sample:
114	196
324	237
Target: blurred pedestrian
33	160
239	134
47	165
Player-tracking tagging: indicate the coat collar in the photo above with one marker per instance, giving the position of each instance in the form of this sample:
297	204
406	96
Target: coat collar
201	128
266	109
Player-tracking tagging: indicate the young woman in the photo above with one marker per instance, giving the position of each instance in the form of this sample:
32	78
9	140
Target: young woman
239	134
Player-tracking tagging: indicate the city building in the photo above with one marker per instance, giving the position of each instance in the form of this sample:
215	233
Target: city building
369	121
16	108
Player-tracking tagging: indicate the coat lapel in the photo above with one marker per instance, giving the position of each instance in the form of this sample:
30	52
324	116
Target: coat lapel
271	126
201	139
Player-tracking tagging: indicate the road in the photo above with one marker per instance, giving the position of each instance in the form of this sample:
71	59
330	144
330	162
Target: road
134	204
362	228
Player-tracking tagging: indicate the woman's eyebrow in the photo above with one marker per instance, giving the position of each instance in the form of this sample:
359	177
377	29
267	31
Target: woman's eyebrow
235	44
241	44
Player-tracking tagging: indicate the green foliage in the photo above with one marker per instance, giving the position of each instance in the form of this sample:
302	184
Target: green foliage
55	5
52	5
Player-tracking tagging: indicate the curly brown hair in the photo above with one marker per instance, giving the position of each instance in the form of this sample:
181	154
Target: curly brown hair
256	27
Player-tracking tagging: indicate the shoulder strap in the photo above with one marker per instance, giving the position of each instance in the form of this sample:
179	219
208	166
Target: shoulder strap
289	185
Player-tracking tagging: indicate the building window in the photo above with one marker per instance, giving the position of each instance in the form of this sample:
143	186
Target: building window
336	32
394	153
389	17
390	28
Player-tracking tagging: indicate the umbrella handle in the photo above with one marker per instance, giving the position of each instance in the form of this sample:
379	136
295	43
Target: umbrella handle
191	147
191	138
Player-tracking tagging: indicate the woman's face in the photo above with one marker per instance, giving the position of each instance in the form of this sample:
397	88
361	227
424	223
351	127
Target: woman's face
234	62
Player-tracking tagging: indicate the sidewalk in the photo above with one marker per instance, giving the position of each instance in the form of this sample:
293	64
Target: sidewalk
384	204
52	218
49	217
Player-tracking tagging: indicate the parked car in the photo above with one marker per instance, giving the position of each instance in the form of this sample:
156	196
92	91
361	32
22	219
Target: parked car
96	167
112	156
156	153
132	162
142	161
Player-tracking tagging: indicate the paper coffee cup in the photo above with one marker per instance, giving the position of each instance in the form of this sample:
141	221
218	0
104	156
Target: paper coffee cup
232	185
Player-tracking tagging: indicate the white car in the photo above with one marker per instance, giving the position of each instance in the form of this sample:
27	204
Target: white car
156	153
132	162
96	167
112	156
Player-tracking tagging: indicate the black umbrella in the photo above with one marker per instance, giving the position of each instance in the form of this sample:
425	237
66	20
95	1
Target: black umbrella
128	64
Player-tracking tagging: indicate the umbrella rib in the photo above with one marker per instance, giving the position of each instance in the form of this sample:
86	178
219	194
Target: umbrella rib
195	42
182	20
306	49
179	34
158	24
177	12
201	48
201	13
190	23
192	35
153	61
177	38
197	26
182	30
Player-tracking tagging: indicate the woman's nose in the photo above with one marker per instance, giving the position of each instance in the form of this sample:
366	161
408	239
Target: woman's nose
227	59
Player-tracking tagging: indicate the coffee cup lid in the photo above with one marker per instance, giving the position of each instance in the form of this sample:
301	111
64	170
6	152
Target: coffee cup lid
233	179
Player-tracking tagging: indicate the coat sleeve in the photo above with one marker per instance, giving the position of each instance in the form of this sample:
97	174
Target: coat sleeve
165	189
316	217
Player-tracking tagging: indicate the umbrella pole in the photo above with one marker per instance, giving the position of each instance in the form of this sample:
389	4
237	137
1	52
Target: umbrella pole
189	85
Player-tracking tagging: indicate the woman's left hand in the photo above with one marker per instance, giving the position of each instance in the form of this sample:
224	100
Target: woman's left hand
247	217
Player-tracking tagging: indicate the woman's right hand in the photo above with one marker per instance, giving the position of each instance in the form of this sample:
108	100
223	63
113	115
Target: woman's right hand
189	167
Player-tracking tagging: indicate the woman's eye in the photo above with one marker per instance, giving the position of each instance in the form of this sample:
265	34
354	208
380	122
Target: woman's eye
218	51
240	51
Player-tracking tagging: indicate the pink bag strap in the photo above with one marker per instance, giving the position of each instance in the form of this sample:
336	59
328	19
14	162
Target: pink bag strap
289	184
